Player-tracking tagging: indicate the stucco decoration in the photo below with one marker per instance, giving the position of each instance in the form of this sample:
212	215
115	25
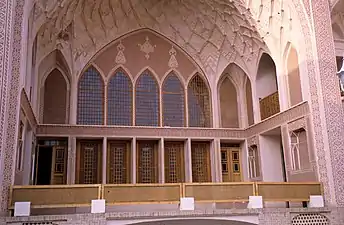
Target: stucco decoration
173	63
147	47
120	57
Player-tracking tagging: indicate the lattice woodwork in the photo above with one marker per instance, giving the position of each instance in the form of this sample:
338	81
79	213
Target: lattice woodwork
91	98
120	100
310	219
147	162
59	165
174	162
173	102
89	162
147	100
253	161
269	106
118	162
198	103
200	157
230	164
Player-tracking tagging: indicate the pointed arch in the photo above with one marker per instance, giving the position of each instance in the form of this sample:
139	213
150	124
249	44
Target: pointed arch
173	100
55	100
229	104
90	108
147	100
120	99
199	102
294	79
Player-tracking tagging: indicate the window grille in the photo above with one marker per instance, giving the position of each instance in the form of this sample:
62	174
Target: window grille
147	162
200	162
173	102
89	163
120	100
147	100
174	162
198	103
91	98
119	163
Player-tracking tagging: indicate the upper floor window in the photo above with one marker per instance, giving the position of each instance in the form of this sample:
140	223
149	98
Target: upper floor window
199	103
91	98
299	149
173	102
147	100
119	97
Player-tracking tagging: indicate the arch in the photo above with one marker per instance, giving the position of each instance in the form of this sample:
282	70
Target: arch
293	73
267	87
90	106
249	101
55	103
229	104
199	102
173	99
147	100
120	99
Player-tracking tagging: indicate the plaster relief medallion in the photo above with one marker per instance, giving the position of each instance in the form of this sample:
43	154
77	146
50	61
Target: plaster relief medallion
147	47
173	63
120	57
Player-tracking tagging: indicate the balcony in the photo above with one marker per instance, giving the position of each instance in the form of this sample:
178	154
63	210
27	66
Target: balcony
269	106
72	196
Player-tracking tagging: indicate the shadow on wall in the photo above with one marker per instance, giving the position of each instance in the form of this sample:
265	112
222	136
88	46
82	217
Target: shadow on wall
187	222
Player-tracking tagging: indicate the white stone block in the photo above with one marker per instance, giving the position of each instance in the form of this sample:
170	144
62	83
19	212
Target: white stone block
187	204
316	201
255	202
22	208
98	206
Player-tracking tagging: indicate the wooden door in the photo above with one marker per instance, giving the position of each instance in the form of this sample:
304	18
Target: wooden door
200	157
174	162
59	165
89	160
147	162
119	166
230	164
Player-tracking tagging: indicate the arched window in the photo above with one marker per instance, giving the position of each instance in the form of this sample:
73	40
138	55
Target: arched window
147	100
91	98
173	102
199	103
120	96
299	150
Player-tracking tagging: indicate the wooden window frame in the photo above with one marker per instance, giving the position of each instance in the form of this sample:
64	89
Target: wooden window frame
180	165
99	160
208	162
155	160
128	161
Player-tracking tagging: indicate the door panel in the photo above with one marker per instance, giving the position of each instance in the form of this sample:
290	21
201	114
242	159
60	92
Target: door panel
230	164
89	162
174	162
147	162
59	165
200	157
118	163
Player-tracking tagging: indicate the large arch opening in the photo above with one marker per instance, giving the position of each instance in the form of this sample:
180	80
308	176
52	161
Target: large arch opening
267	88
294	79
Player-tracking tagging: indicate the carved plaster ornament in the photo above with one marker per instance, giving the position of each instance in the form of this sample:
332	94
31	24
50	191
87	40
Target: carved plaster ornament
173	63
147	47
120	57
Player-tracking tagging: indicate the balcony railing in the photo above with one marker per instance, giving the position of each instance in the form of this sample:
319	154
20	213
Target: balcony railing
269	106
64	196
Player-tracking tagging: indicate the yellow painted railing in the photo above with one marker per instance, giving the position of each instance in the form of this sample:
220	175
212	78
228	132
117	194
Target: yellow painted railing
287	191
56	196
141	193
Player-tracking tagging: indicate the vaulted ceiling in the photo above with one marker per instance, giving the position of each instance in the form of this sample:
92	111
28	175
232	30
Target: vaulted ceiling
213	32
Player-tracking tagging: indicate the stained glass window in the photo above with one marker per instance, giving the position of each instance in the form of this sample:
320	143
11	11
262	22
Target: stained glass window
91	98
119	105
173	102
198	103
147	100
